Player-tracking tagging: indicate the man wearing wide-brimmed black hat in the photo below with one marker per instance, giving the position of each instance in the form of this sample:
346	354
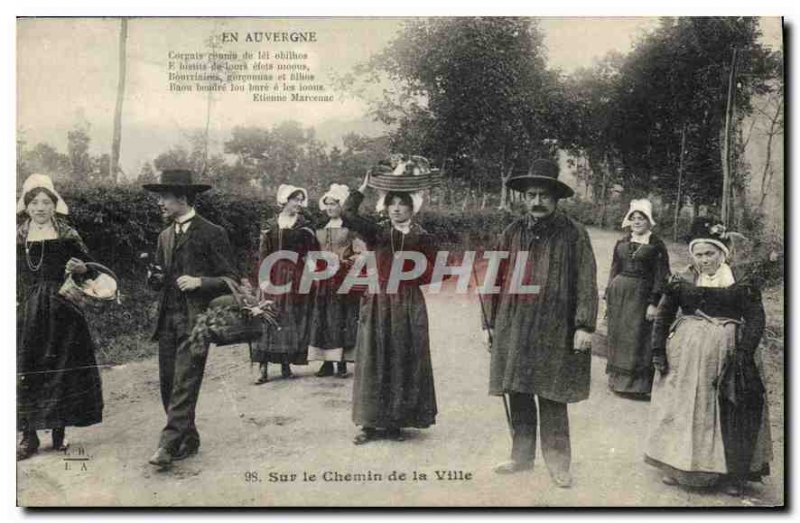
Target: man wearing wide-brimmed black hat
541	337
192	257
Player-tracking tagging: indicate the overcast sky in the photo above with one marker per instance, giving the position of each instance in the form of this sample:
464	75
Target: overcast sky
67	72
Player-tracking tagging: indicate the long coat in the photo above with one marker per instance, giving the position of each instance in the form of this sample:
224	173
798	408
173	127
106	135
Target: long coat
532	351
203	250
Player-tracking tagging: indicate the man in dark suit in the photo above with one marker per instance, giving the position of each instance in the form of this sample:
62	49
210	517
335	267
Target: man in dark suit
192	258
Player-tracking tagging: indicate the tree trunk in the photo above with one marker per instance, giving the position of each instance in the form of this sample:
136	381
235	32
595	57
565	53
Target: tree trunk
504	193
727	164
680	181
116	140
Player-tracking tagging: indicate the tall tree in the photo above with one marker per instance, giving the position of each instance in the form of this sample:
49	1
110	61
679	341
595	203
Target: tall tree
473	91
116	139
677	77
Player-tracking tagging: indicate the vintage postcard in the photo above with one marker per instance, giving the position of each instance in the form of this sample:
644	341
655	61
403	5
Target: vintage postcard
400	262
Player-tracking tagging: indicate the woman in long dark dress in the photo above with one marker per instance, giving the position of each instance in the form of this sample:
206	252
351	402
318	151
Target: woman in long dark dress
708	412
58	384
334	316
288	231
393	386
639	269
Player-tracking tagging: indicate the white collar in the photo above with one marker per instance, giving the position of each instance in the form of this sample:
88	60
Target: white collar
404	227
641	238
720	279
38	232
333	223
184	221
286	222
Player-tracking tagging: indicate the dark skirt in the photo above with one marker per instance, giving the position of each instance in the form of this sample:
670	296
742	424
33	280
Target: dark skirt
393	385
58	383
288	343
334	318
629	365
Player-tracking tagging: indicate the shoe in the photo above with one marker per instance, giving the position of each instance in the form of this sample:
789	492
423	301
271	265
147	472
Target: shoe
185	451
669	480
562	479
341	370
735	489
28	446
286	371
161	458
512	467
261	379
325	370
395	435
366	435
60	442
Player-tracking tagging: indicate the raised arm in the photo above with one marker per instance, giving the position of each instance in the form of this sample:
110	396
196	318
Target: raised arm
351	219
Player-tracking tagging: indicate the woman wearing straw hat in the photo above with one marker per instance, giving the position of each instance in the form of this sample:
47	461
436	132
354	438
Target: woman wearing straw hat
639	268
334	316
708	410
288	231
58	384
393	386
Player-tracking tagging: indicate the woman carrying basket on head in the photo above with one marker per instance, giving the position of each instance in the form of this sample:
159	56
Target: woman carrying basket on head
393	386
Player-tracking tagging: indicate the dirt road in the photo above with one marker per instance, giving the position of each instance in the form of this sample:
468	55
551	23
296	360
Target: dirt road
262	445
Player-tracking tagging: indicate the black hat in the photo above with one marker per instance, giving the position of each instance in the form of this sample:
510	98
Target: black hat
176	179
542	172
709	230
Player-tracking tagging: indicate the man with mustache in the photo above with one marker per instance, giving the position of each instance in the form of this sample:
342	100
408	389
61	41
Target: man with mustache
541	340
194	256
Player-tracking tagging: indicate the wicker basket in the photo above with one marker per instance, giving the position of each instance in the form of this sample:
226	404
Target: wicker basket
405	183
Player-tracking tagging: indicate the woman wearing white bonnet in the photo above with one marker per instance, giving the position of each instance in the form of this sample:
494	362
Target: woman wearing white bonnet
334	317
708	412
290	230
639	269
58	383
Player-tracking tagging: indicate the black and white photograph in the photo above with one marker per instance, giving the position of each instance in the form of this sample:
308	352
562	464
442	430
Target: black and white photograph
396	262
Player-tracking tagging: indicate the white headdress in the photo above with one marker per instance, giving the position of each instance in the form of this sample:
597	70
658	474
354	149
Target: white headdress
35	181
285	190
643	206
338	192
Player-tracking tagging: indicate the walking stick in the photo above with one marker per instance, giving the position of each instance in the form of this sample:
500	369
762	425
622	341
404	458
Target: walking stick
491	343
